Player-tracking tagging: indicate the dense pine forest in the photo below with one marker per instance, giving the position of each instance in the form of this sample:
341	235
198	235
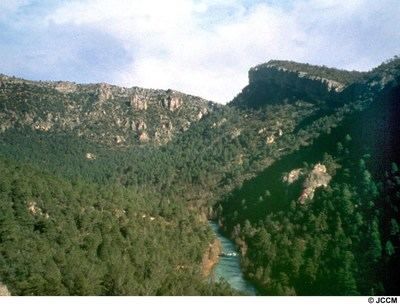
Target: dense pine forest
74	238
107	190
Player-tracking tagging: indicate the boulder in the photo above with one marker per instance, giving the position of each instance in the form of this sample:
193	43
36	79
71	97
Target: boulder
119	139
90	156
270	139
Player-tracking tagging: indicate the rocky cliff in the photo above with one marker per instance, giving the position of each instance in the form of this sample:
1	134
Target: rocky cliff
283	81
313	179
99	112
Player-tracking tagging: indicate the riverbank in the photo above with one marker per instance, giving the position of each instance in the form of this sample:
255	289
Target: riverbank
228	266
211	257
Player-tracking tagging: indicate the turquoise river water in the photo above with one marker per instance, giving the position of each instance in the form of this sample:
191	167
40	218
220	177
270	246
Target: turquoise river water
228	267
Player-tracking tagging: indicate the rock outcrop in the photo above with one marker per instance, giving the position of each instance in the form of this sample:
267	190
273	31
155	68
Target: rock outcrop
34	209
141	125
211	257
138	102
144	137
4	290
287	82
101	113
105	92
43	126
270	139
90	156
173	101
119	139
273	71
317	177
65	86
293	176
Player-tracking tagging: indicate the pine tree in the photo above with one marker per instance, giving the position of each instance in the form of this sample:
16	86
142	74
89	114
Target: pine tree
389	248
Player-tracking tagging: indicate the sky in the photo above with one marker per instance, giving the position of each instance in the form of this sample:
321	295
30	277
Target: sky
200	47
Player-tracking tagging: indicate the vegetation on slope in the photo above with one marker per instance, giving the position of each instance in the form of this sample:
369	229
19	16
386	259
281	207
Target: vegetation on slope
343	241
342	76
73	238
288	246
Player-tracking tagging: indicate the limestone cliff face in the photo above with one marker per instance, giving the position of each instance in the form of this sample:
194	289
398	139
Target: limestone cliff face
173	101
301	80
139	101
103	113
211	257
280	82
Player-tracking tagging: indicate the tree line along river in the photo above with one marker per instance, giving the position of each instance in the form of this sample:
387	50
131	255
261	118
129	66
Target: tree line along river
228	267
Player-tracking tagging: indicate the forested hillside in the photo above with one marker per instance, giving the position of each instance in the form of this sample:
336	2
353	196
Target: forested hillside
103	113
324	220
73	238
300	169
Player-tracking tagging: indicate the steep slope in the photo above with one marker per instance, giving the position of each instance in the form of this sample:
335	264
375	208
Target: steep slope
320	220
238	141
102	113
73	238
290	167
284	81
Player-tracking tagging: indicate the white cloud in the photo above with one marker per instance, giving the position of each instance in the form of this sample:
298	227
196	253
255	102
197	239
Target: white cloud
8	7
205	47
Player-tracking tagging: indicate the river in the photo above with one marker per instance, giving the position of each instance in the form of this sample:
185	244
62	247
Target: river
228	267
